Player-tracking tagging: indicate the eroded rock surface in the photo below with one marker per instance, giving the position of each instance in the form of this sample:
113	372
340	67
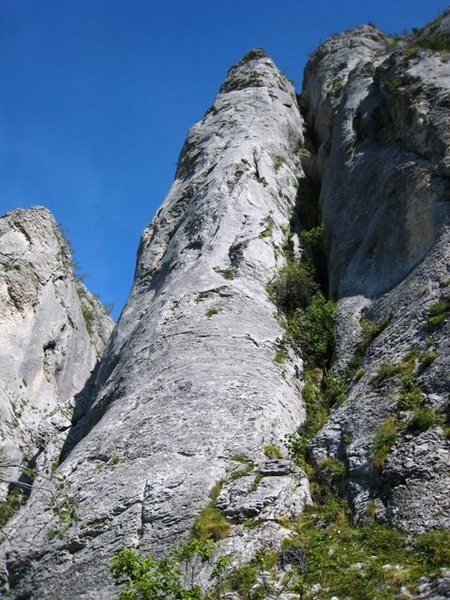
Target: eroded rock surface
379	111
52	332
189	378
188	394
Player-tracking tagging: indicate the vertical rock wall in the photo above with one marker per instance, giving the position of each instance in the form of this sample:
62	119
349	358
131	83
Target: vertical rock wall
379	113
189	386
52	332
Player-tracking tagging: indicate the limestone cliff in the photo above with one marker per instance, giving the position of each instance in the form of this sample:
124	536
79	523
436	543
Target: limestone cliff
200	383
53	332
382	131
188	386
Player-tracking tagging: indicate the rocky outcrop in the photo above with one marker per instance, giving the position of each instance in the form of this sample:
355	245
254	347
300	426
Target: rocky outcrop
382	131
193	394
53	331
189	384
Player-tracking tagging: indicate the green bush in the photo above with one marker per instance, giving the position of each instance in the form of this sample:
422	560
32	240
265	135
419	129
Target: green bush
383	440
438	313
312	331
8	508
433	548
145	578
351	562
385	372
226	273
370	331
250	579
293	288
314	244
211	524
280	357
272	451
334	466
410	398
316	416
435	41
423	419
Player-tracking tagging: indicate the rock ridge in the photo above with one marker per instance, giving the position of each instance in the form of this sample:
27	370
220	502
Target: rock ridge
188	381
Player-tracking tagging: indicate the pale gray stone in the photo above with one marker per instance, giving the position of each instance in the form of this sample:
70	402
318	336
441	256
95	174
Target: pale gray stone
189	378
53	332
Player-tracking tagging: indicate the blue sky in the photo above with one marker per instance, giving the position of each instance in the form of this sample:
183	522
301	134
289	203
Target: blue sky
97	96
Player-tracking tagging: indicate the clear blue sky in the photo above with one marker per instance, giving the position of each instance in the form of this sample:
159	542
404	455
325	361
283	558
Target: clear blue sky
96	97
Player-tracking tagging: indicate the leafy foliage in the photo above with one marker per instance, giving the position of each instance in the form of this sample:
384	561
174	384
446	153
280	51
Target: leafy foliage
8	508
145	578
312	331
423	419
293	288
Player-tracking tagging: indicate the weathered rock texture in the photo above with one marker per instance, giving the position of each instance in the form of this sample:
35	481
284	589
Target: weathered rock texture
189	381
52	333
379	113
188	393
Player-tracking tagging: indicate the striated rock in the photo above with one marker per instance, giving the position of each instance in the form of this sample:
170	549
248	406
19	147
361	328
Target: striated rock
276	489
189	379
53	331
180	410
380	115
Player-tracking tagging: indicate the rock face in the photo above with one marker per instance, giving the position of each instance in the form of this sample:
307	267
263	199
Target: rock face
188	401
188	384
52	330
382	129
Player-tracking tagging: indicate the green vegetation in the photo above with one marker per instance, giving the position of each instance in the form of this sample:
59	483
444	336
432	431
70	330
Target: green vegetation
211	312
411	52
415	359
64	508
385	372
252	580
439	42
216	489
299	294
423	419
317	411
293	288
88	316
335	467
211	524
410	397
383	440
8	508
438	313
145	578
226	273
311	331
272	451
371	562
280	356
268	230
278	161
395	83
370	331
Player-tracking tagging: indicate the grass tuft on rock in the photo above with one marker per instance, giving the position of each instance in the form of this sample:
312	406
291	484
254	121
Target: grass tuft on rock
211	524
383	441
